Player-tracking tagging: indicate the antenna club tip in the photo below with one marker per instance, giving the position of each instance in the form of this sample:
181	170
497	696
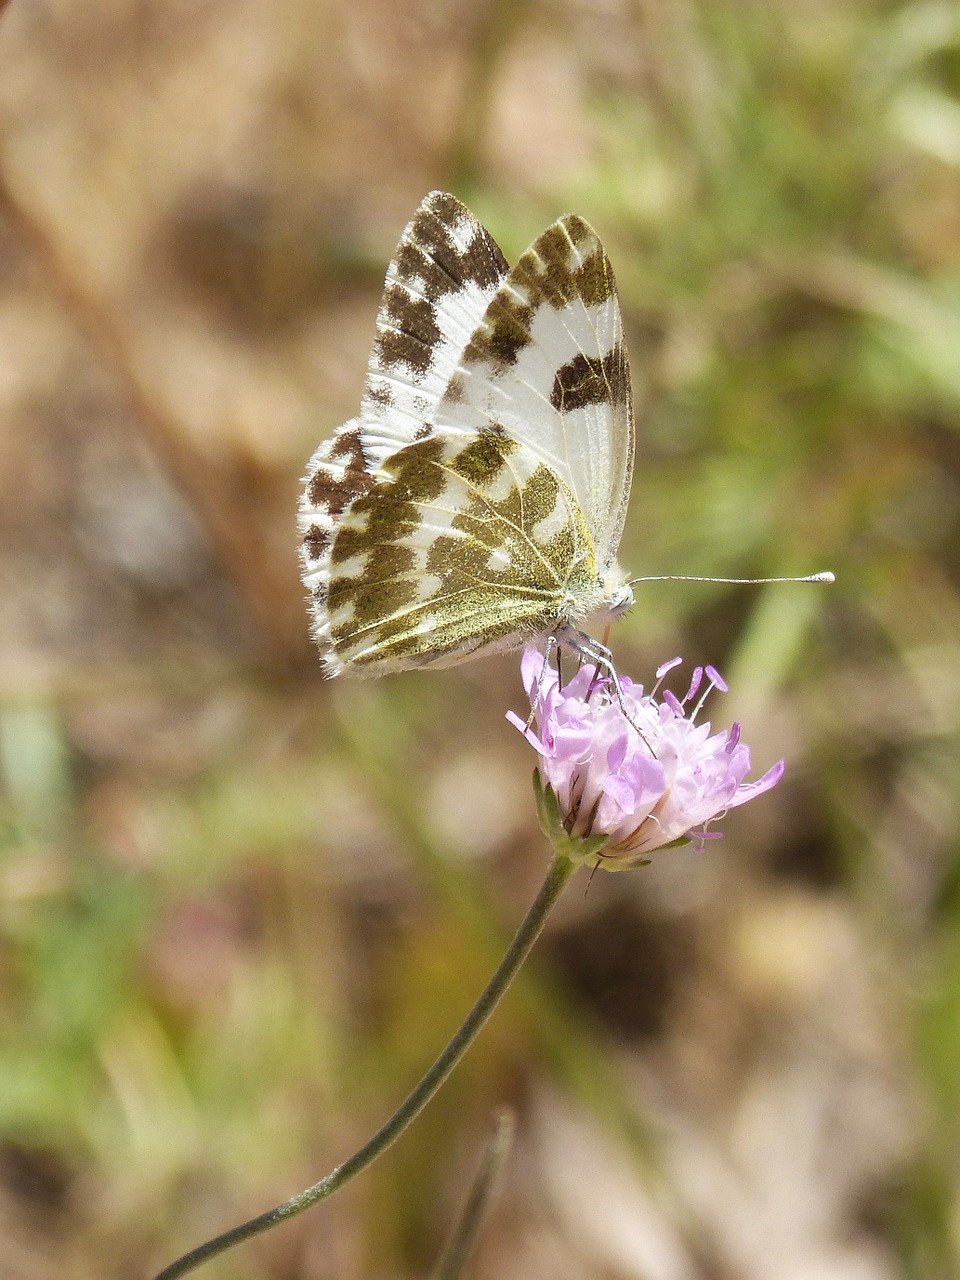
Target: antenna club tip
825	576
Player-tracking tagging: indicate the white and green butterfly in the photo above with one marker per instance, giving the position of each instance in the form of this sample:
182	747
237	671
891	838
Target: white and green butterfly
478	500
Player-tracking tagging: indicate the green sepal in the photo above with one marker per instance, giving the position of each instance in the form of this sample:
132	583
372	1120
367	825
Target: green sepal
574	848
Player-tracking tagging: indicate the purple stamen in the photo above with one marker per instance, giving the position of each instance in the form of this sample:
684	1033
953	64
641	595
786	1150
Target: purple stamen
694	685
673	702
716	682
662	671
716	679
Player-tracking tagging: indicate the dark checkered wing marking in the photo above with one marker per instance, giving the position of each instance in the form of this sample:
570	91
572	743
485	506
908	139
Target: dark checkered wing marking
445	270
548	364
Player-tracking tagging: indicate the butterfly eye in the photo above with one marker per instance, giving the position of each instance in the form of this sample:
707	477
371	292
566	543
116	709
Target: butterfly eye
621	600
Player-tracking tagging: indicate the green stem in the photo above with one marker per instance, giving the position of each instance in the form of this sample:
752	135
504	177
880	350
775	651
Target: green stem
561	869
465	1233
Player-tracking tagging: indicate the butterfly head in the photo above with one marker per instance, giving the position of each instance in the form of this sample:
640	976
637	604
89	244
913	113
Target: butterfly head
617	592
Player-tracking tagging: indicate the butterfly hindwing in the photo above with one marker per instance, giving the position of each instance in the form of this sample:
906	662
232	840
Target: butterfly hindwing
455	548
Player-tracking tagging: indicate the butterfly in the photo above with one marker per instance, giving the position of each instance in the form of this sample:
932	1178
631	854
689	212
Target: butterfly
477	502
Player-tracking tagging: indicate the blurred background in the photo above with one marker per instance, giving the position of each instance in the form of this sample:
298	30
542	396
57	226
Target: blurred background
241	908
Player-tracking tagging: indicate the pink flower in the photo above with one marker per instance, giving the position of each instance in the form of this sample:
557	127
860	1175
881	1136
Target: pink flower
622	787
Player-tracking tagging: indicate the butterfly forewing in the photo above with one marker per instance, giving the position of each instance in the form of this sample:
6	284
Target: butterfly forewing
548	363
445	270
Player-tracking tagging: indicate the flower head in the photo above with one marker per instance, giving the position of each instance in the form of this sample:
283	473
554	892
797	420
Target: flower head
622	784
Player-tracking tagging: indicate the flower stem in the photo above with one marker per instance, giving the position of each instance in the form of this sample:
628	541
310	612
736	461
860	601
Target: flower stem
464	1235
561	869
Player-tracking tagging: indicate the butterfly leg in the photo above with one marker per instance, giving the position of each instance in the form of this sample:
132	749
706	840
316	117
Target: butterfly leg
550	648
601	657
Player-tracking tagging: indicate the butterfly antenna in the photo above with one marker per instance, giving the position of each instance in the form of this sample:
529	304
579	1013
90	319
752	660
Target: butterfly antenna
824	576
